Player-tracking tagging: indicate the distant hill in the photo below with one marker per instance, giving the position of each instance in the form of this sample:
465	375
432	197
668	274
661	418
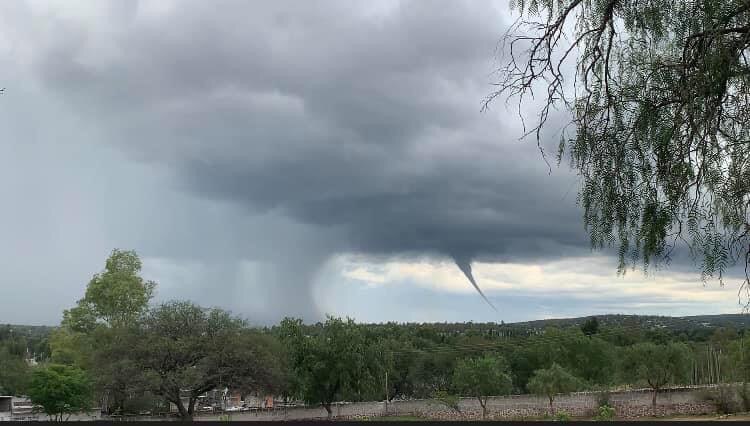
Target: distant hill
702	324
737	321
27	330
686	323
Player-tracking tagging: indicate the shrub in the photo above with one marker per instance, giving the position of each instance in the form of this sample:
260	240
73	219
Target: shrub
448	399
745	396
602	399
724	399
562	416
605	413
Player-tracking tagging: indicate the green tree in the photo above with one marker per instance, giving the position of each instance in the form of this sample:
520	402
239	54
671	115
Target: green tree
482	377
432	370
70	347
14	373
588	358
592	359
61	390
739	351
448	399
399	360
590	327
95	334
184	349
552	381
331	363
117	296
656	365
658	93
117	376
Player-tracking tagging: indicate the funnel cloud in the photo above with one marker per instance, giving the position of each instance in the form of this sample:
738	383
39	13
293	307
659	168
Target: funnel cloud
465	266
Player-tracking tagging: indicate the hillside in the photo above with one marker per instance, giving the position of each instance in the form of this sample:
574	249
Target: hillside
737	321
686	323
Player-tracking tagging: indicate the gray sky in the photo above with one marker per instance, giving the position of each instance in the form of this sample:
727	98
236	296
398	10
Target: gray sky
290	158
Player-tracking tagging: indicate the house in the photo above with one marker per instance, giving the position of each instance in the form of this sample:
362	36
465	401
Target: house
22	406
232	399
6	407
255	401
225	399
30	358
15	408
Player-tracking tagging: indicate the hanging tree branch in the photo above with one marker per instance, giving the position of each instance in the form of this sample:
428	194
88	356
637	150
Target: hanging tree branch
659	103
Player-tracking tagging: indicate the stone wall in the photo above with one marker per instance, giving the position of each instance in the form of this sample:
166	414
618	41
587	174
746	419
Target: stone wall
627	404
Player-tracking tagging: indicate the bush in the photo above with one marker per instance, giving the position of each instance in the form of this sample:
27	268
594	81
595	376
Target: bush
605	413
602	399
449	400
724	398
745	397
139	404
562	416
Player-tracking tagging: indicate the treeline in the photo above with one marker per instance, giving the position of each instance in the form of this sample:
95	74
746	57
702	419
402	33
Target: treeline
20	347
127	355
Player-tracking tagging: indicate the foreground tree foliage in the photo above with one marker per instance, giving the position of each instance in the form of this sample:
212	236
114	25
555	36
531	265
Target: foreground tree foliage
61	390
14	373
116	297
659	97
184	349
330	364
552	381
656	365
96	334
482	377
175	351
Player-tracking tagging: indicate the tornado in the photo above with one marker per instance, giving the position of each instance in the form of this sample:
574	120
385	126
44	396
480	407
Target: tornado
464	264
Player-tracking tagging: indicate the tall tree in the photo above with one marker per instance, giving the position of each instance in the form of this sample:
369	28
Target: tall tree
61	390
482	377
659	94
552	381
590	327
331	363
656	365
14	373
399	357
117	296
187	350
95	334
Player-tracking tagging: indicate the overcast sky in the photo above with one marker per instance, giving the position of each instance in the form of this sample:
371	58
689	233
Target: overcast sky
291	158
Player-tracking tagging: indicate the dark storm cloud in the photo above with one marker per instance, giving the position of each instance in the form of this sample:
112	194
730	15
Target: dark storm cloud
330	116
238	145
344	127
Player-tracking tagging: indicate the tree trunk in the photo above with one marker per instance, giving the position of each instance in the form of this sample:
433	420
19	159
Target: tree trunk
184	414
327	406
483	404
191	407
551	408
653	401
